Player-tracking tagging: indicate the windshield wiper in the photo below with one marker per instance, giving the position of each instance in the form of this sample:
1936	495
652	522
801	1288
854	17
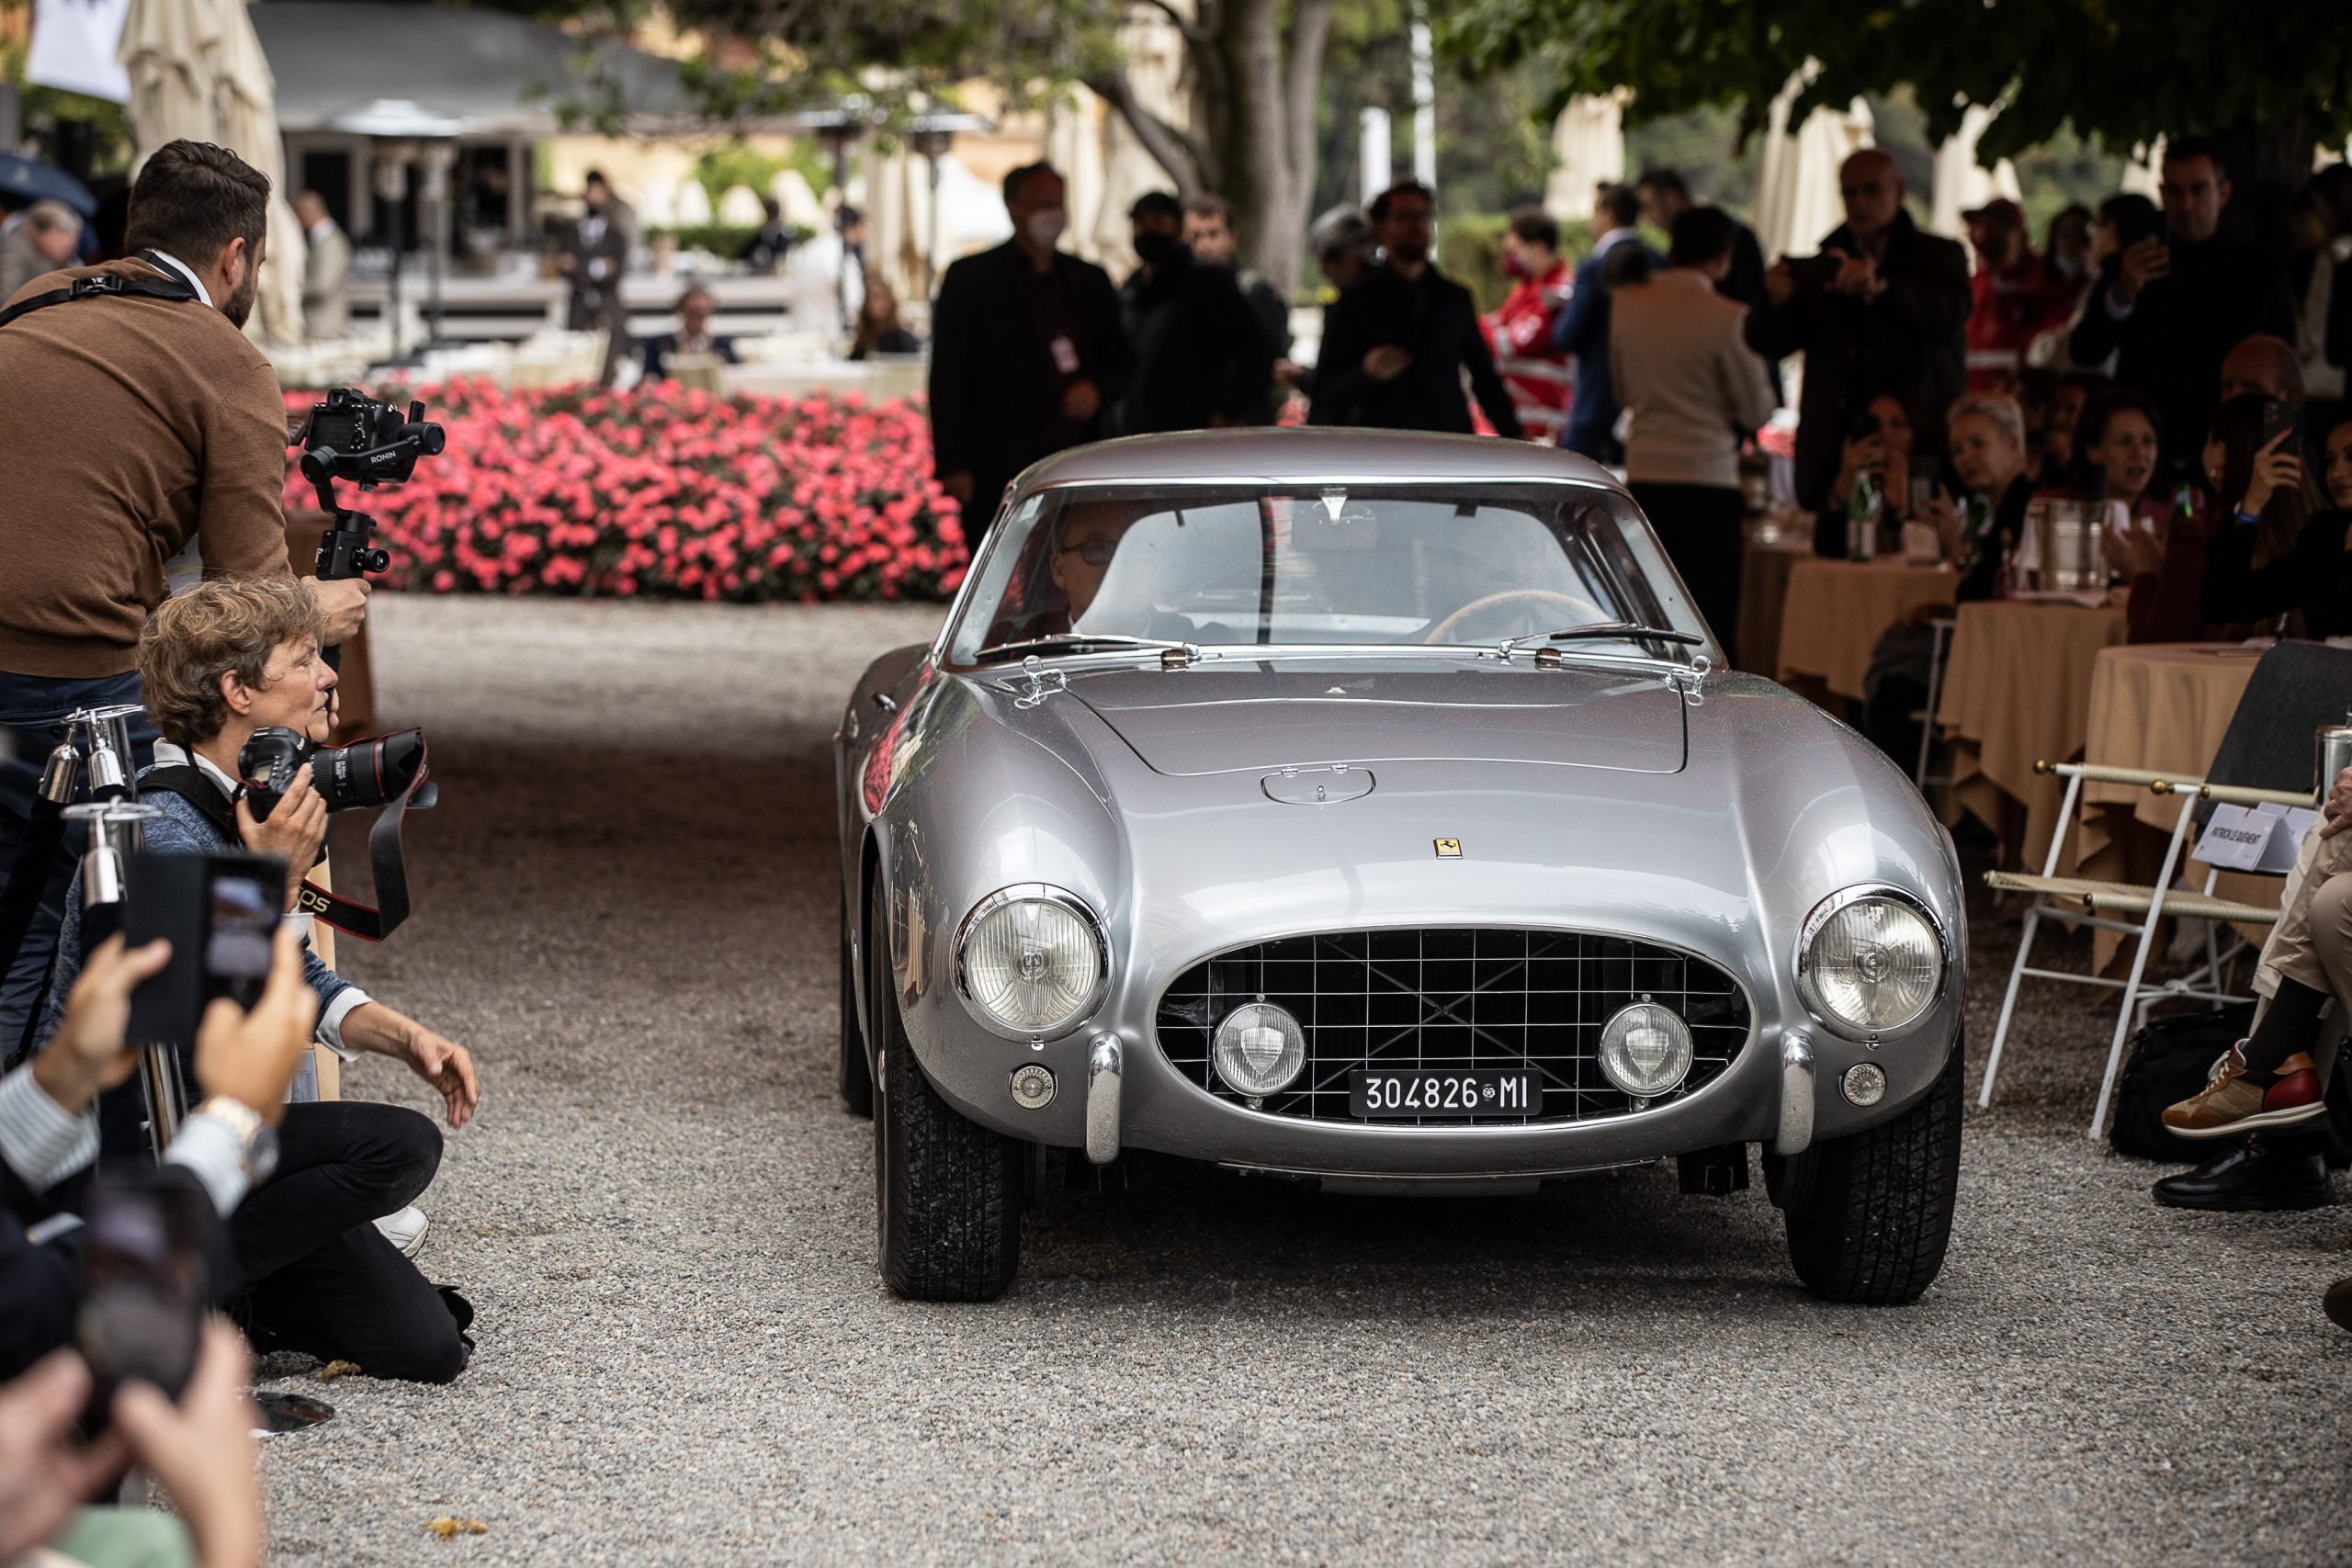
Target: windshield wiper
1629	631
1076	641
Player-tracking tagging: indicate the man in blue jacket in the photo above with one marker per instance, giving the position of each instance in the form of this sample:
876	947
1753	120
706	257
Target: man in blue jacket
1582	330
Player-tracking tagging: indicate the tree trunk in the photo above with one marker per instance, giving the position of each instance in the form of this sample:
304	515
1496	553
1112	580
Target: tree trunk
1255	147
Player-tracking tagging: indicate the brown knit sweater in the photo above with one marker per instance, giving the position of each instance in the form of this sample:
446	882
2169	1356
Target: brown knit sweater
126	426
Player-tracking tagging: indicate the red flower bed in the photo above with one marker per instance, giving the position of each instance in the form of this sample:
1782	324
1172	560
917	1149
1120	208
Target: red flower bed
662	492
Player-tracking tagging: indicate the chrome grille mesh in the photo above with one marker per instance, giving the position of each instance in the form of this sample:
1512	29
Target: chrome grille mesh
1447	998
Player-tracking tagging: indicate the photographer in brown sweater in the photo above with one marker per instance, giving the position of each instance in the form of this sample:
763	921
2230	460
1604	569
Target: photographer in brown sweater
137	426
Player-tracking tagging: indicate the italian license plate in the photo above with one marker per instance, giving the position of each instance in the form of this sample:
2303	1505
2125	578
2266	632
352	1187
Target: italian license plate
1443	1091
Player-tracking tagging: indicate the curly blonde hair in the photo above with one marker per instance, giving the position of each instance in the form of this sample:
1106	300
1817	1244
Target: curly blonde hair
224	625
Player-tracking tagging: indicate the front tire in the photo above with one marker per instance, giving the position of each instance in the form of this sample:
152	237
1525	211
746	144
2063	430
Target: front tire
947	1191
1870	1215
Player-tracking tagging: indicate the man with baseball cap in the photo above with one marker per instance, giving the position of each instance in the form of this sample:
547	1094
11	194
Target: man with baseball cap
2017	297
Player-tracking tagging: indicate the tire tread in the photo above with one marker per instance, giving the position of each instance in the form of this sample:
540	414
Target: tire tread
1878	1219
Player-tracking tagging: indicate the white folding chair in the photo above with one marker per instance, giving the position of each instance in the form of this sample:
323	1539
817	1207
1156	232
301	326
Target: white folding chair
1925	716
2101	905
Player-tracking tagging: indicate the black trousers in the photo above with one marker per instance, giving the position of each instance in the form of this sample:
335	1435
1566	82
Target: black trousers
314	1273
1704	530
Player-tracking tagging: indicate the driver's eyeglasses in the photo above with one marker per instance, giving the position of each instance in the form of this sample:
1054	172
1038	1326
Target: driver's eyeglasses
1094	552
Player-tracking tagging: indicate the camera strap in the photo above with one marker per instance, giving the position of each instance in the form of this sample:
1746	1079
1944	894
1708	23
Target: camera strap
377	922
100	285
368	922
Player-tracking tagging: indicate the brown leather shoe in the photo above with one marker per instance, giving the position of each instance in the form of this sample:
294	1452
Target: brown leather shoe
2337	1303
2231	1103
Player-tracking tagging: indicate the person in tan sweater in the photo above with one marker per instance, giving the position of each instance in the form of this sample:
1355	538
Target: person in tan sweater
132	430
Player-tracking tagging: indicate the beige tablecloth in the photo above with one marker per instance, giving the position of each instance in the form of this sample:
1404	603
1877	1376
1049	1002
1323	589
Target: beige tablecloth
2161	707
1763	588
2017	690
1835	611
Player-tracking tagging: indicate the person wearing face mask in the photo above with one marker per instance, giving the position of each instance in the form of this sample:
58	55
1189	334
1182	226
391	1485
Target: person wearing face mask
140	426
1520	331
1202	358
1028	355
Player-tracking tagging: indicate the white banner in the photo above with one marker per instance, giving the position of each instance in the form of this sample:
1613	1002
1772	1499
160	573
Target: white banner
73	47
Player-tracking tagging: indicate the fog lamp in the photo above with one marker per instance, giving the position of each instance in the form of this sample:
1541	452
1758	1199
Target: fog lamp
1865	1083
1260	1049
1646	1050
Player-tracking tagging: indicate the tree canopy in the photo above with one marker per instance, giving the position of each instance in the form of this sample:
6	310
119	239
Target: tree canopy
2268	80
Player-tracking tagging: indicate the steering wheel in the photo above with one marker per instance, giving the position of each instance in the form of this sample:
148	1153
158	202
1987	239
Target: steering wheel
1573	610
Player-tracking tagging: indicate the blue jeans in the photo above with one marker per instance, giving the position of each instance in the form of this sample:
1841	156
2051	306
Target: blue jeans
32	721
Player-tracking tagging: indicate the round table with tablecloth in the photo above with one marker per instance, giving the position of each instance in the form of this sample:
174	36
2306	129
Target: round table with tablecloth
1835	611
2017	691
1763	588
2163	707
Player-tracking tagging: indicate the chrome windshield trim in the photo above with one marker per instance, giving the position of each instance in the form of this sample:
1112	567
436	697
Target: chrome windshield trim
1268	653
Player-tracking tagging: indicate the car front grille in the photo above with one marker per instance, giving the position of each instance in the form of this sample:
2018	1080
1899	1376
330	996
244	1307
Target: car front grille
1452	999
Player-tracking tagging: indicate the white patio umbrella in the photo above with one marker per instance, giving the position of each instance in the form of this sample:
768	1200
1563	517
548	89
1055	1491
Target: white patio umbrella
197	71
1961	184
1797	200
1588	147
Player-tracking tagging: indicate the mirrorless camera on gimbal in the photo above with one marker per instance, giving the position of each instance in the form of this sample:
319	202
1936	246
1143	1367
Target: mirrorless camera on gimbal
352	436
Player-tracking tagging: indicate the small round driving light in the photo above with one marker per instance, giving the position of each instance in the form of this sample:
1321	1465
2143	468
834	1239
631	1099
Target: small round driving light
1033	1087
1260	1049
1646	1050
1865	1083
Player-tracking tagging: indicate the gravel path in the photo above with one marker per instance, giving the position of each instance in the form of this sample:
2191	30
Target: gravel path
626	906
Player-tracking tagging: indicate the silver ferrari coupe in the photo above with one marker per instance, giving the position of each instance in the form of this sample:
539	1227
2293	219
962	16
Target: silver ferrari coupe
1374	811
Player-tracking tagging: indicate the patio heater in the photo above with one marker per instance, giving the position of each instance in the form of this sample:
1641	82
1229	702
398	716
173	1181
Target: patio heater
930	138
402	132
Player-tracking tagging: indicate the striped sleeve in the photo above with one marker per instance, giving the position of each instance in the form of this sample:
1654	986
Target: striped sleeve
42	1141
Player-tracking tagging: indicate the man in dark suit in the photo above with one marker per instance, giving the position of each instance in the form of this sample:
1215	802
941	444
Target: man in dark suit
1883	309
1202	356
2169	309
1027	353
1664	198
595	262
693	339
1396	343
1582	327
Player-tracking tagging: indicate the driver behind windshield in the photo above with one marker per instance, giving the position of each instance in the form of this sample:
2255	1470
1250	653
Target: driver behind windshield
1082	555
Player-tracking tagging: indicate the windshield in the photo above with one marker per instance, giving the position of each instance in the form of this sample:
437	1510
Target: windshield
1380	565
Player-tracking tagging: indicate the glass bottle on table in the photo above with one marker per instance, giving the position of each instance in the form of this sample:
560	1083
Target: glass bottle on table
1863	509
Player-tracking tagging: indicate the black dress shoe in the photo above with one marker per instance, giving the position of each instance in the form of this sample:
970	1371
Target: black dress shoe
2257	1174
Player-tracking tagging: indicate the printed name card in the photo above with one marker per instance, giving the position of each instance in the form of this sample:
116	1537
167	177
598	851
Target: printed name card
2257	838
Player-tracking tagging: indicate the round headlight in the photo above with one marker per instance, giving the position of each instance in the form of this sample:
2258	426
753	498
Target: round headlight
1031	961
1646	1050
1259	1048
1869	964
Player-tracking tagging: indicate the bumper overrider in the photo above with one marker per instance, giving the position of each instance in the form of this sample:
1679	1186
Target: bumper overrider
1797	1072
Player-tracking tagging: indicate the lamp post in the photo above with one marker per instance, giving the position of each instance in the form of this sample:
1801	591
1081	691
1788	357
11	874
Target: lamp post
404	131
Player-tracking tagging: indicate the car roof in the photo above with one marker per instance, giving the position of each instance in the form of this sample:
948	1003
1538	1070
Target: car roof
1295	456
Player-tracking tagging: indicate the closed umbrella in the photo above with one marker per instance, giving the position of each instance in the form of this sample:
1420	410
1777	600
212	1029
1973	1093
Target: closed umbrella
196	72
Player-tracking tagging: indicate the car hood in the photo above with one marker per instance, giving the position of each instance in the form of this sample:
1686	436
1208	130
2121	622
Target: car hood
1212	719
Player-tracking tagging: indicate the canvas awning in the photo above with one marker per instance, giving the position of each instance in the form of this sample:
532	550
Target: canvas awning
495	73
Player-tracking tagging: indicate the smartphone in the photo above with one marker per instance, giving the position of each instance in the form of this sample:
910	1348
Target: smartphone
2275	417
141	1314
221	914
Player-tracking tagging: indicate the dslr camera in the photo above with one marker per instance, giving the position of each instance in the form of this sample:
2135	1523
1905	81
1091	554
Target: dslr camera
366	772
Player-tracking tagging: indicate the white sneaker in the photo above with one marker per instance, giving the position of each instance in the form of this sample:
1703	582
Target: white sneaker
406	1230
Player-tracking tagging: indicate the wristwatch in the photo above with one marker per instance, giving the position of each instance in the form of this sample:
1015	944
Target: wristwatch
257	1139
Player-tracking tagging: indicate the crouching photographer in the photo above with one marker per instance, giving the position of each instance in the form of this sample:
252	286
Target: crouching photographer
217	664
112	1317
